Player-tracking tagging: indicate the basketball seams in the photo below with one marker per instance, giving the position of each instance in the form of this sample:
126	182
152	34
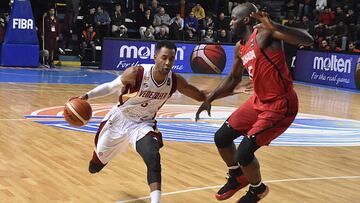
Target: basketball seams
71	108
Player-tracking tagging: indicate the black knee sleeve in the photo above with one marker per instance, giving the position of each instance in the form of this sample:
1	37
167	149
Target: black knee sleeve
245	151
225	136
148	148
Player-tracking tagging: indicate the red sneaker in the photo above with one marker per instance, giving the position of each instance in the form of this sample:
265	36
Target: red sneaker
232	185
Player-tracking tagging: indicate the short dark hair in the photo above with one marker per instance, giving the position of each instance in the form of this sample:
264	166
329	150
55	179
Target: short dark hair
167	44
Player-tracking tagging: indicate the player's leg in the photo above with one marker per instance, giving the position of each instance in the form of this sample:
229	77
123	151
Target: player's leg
242	120
109	141
148	147
270	124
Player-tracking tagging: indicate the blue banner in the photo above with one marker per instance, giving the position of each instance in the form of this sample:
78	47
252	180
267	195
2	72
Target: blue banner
328	68
21	28
119	54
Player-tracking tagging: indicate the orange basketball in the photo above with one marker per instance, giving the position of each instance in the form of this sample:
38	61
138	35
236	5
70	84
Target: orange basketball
77	112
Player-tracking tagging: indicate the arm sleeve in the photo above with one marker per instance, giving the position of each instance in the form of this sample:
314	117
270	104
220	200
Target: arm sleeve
106	88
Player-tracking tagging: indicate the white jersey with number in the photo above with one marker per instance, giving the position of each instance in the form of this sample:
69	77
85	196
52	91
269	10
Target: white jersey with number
149	96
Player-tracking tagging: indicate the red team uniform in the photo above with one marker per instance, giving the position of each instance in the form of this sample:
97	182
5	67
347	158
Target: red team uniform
274	105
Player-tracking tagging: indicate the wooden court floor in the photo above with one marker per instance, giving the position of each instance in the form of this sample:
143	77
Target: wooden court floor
40	163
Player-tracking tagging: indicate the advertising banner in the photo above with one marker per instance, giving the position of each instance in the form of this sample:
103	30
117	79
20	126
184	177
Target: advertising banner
118	54
21	45
328	68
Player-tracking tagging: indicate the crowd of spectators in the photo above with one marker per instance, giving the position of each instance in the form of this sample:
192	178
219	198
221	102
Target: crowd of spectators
334	24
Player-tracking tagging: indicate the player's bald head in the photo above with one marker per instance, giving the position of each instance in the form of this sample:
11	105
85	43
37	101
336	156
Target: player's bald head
244	10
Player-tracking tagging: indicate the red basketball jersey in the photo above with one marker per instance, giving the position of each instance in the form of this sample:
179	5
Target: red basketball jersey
270	75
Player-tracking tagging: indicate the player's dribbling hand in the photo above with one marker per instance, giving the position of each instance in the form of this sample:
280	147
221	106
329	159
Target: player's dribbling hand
204	106
263	17
83	97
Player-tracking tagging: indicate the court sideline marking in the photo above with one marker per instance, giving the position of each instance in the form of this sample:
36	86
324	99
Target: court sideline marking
218	186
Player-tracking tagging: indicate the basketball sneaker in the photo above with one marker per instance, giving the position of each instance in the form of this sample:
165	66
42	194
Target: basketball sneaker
252	196
234	183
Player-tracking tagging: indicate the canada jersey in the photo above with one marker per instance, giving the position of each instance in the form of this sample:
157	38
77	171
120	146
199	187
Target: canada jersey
150	95
271	77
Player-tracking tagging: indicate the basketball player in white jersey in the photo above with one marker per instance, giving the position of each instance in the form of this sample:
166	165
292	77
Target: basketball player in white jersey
133	121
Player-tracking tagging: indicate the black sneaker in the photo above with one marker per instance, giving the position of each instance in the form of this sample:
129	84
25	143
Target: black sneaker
252	197
233	184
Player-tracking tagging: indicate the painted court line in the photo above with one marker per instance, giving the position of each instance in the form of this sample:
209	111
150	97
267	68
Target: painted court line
270	181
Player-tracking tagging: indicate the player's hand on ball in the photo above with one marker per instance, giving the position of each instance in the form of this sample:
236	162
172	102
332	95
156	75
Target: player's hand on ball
83	97
204	106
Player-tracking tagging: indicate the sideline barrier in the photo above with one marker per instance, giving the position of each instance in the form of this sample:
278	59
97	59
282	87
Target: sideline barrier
328	68
21	45
118	54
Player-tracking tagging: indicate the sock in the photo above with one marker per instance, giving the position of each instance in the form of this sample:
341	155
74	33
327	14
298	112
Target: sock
155	196
258	188
235	171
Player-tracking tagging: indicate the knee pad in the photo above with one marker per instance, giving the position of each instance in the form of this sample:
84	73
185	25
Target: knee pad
148	148
225	136
152	161
245	152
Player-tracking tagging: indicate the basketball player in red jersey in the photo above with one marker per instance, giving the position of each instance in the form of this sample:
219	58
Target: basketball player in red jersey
133	121
271	109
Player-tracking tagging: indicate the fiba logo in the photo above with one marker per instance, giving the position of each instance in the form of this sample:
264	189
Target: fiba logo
208	58
357	74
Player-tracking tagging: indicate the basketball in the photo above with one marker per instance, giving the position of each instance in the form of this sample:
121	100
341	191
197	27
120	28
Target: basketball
77	112
208	58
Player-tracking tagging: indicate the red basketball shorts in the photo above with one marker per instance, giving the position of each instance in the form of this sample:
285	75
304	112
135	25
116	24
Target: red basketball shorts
265	121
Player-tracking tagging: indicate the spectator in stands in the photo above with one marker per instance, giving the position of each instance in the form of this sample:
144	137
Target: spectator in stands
291	22
325	45
148	34
122	32
222	37
341	33
67	28
162	35
190	36
191	23
319	34
320	5
2	30
51	34
304	8
209	37
177	27
145	21
306	24
155	7
339	15
117	21
161	19
334	46
221	23
207	23
89	18
351	21
198	11
352	48
88	41
327	17
102	21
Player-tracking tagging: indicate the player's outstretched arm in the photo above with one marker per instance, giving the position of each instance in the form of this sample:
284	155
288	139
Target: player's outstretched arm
189	90
128	77
289	35
227	86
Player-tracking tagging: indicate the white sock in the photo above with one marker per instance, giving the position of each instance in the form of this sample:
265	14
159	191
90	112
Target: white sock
155	196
